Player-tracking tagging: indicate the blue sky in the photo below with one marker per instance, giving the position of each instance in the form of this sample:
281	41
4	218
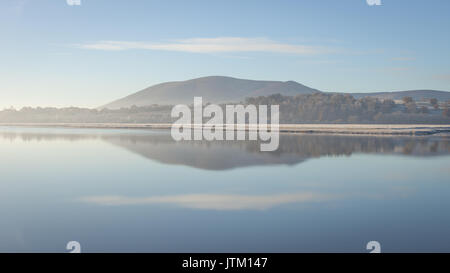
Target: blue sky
54	54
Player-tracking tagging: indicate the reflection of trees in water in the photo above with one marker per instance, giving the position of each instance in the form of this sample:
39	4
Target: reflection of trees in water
158	145
301	144
335	145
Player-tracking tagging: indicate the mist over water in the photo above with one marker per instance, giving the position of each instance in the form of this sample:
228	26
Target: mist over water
139	190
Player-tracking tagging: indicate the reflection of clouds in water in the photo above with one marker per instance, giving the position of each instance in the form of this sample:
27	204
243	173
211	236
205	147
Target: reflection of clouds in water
214	201
247	202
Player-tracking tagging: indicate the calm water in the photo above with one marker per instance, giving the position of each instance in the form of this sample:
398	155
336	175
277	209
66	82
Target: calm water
139	191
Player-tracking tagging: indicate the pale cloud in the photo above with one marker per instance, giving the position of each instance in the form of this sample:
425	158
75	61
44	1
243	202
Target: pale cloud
213	201
212	45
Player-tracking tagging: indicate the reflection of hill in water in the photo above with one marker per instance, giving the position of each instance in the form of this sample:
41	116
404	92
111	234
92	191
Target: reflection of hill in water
222	155
293	149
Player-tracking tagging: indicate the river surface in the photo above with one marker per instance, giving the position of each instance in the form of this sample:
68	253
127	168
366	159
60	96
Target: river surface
117	190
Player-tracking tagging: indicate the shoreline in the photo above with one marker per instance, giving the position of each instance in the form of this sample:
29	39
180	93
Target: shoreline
351	129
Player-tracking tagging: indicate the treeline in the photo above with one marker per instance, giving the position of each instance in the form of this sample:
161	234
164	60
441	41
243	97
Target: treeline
147	114
344	108
309	108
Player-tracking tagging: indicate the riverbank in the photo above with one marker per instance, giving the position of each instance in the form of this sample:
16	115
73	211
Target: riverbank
366	129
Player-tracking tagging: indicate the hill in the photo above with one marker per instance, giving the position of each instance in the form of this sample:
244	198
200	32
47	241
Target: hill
213	89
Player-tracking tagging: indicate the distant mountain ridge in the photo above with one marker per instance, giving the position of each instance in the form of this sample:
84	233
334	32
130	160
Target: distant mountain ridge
221	89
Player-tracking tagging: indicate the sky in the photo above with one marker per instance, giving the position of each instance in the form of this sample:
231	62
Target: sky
56	54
